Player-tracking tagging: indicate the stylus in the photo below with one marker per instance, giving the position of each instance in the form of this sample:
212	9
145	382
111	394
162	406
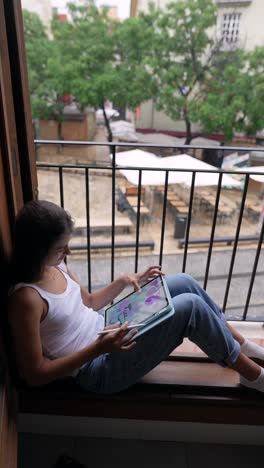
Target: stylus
110	330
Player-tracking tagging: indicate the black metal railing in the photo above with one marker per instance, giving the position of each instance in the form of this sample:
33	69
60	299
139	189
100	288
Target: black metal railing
186	241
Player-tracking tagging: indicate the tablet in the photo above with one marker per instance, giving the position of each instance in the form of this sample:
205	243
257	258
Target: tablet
145	307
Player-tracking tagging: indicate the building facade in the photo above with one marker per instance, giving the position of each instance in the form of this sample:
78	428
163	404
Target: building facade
42	8
239	24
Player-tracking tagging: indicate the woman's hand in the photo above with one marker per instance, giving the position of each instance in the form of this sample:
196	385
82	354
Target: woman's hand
135	278
116	341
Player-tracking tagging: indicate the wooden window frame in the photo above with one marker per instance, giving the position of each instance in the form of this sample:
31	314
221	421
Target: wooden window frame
18	184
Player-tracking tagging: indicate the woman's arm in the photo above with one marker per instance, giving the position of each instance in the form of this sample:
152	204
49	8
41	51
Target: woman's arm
25	313
99	299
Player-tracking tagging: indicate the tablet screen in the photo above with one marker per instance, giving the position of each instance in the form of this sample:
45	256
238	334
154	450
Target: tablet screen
139	307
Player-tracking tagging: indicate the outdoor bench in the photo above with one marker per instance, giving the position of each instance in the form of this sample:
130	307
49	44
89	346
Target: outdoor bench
224	240
134	191
123	225
118	245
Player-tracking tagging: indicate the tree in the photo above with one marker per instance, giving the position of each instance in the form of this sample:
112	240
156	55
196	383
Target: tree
49	75
197	79
253	111
106	57
132	44
233	97
222	96
37	51
182	55
85	44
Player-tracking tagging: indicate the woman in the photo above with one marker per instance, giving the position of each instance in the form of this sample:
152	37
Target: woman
54	323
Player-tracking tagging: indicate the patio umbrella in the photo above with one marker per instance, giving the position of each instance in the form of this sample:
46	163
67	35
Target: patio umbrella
136	158
141	158
257	177
184	161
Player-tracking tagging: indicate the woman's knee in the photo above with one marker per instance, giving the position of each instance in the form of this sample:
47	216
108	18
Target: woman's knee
180	283
189	304
184	303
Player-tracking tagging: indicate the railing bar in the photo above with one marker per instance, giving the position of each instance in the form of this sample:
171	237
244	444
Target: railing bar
143	145
130	168
88	231
113	213
187	232
61	186
236	241
210	247
255	266
163	222
60	168
138	218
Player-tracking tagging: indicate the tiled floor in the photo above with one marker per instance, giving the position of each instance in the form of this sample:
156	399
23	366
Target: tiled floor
40	451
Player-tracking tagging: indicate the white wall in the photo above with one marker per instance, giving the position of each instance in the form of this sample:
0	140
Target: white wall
41	7
252	30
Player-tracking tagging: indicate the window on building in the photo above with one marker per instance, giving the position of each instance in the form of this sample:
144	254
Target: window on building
230	27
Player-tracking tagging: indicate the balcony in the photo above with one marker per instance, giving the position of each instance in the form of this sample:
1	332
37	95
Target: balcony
222	251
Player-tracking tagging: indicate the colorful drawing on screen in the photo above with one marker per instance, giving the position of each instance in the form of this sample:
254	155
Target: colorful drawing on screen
138	307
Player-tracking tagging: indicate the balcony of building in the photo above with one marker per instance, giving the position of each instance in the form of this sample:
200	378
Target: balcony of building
206	223
210	231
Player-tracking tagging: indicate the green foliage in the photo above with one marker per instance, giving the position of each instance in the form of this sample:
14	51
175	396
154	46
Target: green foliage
105	58
233	96
49	77
254	91
171	55
37	49
132	42
181	55
196	80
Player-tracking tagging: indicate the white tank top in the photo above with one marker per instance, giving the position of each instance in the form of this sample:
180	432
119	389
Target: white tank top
69	325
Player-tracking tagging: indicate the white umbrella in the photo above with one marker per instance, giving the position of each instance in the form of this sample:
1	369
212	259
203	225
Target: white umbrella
154	177
142	159
257	177
136	158
184	161
139	158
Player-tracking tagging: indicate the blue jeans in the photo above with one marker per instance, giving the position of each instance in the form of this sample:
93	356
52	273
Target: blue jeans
196	317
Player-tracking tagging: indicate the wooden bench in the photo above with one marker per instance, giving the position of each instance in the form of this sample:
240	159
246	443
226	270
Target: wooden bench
133	201
228	240
134	191
179	389
103	226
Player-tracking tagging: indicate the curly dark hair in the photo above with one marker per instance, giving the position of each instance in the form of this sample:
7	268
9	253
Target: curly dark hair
39	224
